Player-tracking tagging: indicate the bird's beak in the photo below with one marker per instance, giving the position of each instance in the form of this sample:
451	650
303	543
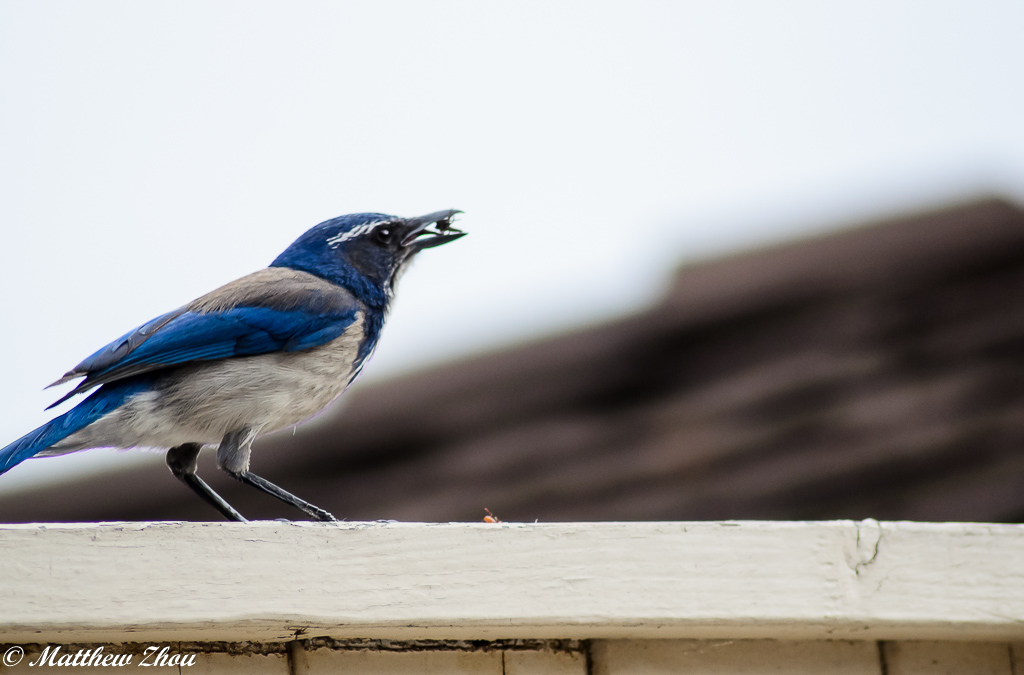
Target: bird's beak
417	235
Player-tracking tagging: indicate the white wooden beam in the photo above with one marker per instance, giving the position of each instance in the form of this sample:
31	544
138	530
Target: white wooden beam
708	580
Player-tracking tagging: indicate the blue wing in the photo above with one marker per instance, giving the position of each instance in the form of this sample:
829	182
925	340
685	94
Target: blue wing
251	321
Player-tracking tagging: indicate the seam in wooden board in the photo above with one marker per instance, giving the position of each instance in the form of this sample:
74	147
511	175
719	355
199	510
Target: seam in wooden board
588	656
137	648
350	644
520	644
292	648
883	659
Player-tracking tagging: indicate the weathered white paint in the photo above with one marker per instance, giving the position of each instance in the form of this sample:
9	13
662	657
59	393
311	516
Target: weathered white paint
543	663
329	662
940	658
438	662
735	657
273	580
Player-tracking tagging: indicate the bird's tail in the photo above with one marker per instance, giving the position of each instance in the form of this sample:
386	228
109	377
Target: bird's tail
105	400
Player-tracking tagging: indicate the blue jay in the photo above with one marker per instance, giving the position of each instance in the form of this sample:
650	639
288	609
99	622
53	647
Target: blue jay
259	354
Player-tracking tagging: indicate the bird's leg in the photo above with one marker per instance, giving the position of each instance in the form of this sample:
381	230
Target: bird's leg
233	457
181	460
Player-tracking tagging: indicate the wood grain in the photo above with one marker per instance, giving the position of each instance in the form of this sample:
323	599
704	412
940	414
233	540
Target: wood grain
278	581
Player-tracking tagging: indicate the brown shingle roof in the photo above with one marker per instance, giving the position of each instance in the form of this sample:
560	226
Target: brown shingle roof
870	373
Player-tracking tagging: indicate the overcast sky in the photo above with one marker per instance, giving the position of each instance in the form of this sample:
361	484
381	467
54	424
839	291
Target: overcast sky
150	152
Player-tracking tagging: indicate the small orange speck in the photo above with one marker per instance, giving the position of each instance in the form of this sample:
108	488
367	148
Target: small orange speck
490	517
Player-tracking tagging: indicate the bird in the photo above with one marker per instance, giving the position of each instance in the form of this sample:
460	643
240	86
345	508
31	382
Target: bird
259	354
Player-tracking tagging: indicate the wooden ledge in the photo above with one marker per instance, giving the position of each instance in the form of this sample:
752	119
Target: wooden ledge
273	581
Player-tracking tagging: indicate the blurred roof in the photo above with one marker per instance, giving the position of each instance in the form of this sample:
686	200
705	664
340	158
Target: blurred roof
870	373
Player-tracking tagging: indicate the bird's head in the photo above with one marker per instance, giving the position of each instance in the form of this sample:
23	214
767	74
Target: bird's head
367	252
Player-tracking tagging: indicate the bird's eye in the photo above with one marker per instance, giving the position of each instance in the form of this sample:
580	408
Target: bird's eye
383	235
